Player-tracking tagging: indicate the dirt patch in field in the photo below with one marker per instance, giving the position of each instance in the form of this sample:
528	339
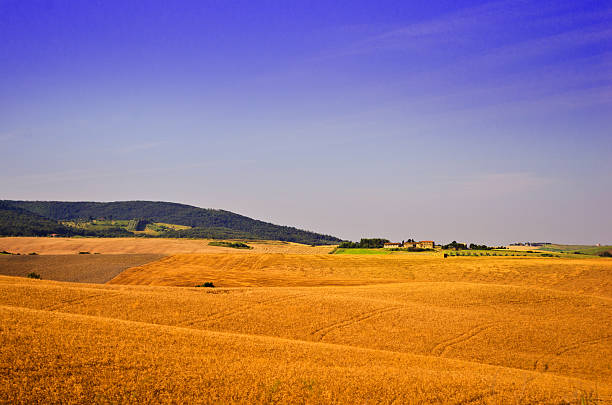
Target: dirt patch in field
84	268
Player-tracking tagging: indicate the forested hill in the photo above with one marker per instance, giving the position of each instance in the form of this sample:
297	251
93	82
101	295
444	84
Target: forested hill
204	223
15	221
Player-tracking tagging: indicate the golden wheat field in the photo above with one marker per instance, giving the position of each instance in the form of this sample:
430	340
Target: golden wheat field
588	276
295	328
60	246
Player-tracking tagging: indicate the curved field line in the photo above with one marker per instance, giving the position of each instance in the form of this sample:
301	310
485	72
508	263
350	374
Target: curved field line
215	316
322	332
565	349
443	347
245	307
77	301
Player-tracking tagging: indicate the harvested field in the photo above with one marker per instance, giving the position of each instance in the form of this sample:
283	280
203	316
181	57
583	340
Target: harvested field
587	276
451	342
60	246
74	268
314	328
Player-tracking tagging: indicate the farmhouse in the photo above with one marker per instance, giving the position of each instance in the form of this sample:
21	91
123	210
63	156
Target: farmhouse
391	245
424	244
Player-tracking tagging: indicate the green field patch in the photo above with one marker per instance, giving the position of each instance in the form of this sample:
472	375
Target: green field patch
97	225
360	251
577	250
134	226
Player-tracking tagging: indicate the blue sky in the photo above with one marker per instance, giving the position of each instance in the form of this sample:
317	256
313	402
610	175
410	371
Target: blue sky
476	121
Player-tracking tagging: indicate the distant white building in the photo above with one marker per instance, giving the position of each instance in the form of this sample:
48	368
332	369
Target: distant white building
426	244
391	245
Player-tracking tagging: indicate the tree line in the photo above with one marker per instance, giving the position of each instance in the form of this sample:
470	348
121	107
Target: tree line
364	243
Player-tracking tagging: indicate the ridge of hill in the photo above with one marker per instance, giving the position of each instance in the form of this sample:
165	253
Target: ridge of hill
203	222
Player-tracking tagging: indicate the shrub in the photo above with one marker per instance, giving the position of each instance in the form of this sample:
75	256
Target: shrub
84	253
208	284
34	275
445	255
235	245
33	254
606	254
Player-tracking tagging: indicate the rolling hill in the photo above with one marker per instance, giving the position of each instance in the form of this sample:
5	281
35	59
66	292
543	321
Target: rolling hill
16	221
310	329
202	222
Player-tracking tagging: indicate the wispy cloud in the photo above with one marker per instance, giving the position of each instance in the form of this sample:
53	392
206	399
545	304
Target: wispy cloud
435	30
547	44
539	69
471	24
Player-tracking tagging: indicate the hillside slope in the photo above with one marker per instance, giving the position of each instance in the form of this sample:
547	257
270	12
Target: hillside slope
204	223
16	221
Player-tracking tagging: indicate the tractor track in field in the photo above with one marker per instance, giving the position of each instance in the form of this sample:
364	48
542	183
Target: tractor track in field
322	332
541	365
216	316
78	301
443	347
568	348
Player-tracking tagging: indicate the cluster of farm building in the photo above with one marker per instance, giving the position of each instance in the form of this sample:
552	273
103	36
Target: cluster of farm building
424	244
